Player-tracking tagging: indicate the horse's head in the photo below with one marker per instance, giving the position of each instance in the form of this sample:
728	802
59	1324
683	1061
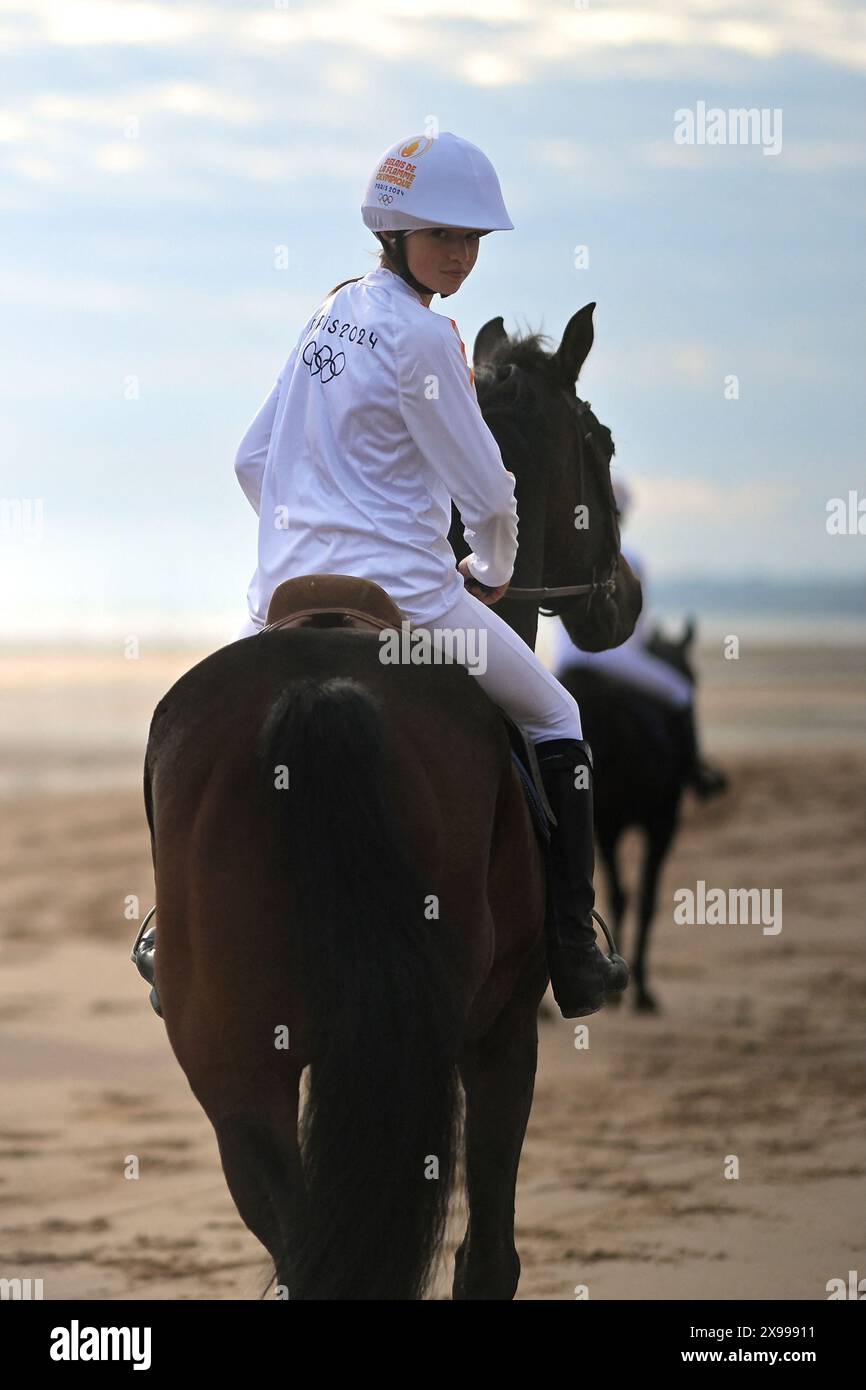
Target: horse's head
560	455
675	653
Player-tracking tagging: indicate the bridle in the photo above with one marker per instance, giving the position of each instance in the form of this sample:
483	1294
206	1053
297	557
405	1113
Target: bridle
606	583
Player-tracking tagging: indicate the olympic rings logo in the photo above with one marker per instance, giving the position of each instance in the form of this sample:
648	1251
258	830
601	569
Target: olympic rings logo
326	362
386	198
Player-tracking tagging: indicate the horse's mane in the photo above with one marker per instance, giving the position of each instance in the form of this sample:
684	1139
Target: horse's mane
532	351
510	389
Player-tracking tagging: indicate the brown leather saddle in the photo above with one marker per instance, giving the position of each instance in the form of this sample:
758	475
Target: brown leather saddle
345	601
332	600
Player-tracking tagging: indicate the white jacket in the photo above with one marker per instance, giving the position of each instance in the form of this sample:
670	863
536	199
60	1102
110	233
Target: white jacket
372	427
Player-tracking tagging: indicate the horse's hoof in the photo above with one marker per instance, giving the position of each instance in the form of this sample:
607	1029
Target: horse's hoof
646	1003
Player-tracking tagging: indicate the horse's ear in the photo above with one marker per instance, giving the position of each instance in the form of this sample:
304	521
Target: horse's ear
689	634
574	348
487	340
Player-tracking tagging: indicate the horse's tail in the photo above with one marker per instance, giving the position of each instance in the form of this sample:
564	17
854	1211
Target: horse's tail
379	1129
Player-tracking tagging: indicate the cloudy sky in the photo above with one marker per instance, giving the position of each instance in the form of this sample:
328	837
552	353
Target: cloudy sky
155	156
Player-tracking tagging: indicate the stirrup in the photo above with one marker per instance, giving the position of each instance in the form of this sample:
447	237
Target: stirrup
613	953
575	998
142	951
142	957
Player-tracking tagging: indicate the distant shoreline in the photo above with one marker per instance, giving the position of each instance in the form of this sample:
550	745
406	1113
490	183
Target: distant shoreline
777	630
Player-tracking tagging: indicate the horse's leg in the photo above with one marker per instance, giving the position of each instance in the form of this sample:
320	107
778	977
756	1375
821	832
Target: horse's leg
608	838
659	836
262	1165
498	1073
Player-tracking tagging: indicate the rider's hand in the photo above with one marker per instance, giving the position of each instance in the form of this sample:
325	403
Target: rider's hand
476	588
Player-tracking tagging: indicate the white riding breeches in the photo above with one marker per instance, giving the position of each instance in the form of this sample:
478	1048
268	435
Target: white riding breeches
513	676
504	666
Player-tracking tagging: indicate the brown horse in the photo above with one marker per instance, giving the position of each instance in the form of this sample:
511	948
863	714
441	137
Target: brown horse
350	890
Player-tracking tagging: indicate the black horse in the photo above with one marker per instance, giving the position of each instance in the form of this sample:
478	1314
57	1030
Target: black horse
644	757
553	443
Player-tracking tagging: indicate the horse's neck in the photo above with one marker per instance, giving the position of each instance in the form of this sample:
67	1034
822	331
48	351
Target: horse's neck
522	614
521	617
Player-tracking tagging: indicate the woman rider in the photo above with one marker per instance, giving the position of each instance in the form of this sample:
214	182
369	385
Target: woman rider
351	464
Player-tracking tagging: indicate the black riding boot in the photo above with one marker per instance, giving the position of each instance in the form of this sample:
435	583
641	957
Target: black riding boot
581	975
144	957
706	780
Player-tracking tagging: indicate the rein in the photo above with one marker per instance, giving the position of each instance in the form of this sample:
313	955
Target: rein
563	591
607	583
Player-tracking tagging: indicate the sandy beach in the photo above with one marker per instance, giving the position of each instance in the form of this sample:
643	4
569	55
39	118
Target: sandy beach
758	1052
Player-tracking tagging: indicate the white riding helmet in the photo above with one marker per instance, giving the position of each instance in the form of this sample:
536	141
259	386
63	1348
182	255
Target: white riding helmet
442	182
